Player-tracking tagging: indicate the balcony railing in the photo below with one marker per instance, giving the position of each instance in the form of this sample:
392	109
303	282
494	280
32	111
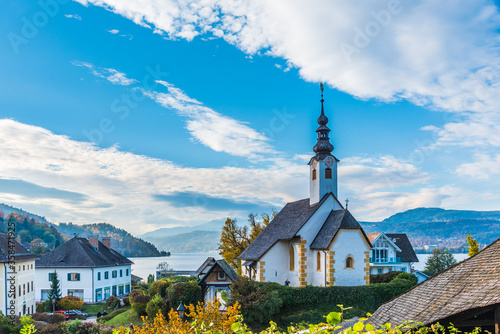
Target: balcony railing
385	260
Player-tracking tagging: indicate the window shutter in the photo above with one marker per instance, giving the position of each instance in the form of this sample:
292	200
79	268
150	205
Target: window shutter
69	277
77	277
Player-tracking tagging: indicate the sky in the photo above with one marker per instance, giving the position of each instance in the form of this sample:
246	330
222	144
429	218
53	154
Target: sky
160	113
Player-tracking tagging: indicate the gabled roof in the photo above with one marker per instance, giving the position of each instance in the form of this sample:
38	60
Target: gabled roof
470	284
407	253
337	220
284	226
79	253
374	236
210	264
20	253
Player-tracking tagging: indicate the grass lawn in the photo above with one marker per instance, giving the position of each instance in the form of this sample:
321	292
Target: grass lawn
94	308
124	319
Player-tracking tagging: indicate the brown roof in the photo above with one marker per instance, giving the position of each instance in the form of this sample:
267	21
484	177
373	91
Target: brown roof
21	254
470	284
373	236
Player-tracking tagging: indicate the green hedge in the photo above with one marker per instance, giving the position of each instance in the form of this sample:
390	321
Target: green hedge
111	315
362	299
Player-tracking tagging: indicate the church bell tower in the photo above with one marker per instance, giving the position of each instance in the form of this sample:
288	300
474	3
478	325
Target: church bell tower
323	166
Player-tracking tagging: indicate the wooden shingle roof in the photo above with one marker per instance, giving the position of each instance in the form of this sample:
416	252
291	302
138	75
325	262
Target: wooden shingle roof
470	284
79	253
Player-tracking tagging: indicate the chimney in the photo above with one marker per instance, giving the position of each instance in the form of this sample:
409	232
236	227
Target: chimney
93	240
106	241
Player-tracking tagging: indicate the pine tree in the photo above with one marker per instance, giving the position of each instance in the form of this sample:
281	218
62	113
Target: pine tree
439	261
55	288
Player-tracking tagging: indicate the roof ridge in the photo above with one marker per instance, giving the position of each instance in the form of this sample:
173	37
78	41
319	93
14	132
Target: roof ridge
86	254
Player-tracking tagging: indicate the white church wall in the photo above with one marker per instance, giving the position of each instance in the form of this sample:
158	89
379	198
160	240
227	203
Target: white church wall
277	264
321	186
350	242
317	277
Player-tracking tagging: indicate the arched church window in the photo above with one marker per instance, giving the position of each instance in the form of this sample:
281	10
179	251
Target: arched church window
328	173
349	262
292	258
314	174
318	261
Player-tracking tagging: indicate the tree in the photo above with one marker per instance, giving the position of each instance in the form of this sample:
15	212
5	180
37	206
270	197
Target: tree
55	288
439	261
235	239
473	245
70	303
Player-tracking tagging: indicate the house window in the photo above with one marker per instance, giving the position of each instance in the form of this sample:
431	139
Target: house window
19	289
98	294
106	274
24	289
328	173
127	288
31	285
314	174
114	290
73	276
221	276
107	292
45	294
120	289
98	276
379	271
292	259
24	267
51	276
126	272
28	287
121	272
349	262
32	268
114	274
76	292
318	261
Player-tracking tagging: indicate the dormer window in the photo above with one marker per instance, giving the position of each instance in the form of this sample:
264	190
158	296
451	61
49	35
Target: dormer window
314	174
328	173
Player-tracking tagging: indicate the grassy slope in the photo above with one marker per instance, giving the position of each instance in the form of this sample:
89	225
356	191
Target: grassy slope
124	319
92	309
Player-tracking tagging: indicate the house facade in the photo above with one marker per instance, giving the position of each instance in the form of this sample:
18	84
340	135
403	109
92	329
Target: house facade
391	252
216	276
316	240
86	268
17	278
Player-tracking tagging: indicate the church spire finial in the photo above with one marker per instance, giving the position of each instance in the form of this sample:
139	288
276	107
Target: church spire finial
323	146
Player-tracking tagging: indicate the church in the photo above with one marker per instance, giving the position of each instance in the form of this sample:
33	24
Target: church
313	241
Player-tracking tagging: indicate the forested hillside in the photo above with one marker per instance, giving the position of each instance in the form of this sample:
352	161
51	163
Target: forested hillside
40	238
121	241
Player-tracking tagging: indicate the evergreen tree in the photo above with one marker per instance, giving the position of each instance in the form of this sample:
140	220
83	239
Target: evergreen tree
439	261
55	287
473	245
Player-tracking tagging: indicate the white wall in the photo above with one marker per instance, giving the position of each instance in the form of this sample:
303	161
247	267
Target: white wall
350	242
277	264
24	276
321	186
88	280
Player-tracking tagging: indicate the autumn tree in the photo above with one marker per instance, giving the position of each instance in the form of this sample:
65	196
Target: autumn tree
70	303
473	245
235	239
439	261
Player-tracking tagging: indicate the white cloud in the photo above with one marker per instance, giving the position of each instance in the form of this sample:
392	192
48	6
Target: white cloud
439	54
114	31
110	74
484	166
73	16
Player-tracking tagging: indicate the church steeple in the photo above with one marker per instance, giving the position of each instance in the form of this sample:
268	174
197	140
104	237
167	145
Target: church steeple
323	146
323	166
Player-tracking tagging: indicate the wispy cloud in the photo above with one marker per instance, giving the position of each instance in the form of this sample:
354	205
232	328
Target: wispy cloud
110	74
113	31
73	16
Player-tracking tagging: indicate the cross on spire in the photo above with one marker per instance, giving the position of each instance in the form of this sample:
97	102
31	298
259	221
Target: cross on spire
347	203
323	146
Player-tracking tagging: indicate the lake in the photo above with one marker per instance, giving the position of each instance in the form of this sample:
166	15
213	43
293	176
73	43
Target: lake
143	266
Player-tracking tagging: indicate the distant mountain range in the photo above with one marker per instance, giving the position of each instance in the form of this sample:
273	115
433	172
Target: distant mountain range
424	227
6	209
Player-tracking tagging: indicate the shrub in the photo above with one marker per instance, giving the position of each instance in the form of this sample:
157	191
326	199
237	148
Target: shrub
155	305
126	301
160	287
51	318
384	278
69	303
411	277
140	303
134	294
48	329
78	327
40	307
111	315
309	317
178	279
187	292
112	301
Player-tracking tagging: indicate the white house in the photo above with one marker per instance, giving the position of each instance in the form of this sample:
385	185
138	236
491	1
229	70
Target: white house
17	278
86	268
391	252
315	240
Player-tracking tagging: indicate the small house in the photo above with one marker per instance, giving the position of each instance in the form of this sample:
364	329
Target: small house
391	252
216	276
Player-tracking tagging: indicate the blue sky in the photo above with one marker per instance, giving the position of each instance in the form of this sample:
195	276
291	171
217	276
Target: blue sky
147	114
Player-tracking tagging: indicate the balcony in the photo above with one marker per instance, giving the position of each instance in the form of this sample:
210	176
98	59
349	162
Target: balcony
385	260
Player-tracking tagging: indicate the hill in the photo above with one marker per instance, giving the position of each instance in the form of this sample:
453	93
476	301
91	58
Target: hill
192	242
214	225
444	228
121	241
7	209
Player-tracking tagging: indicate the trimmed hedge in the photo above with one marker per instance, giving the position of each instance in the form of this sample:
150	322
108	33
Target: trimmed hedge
362	299
51	318
384	278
